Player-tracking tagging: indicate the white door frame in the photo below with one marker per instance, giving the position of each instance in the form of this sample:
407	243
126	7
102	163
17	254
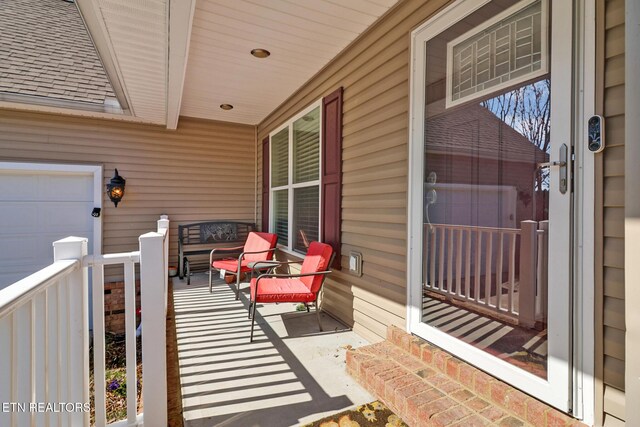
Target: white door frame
62	169
583	390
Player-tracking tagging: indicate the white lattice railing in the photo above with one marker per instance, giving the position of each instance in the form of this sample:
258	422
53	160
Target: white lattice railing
44	336
497	269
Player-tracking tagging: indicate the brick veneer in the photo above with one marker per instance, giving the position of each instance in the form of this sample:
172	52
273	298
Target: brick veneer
114	306
428	387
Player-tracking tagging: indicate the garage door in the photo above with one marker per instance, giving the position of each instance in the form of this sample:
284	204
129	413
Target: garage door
36	209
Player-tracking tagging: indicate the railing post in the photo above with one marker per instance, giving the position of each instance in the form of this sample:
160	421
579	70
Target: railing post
78	327
152	301
528	271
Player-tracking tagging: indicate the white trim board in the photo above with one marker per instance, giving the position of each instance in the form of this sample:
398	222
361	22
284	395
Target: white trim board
180	24
584	393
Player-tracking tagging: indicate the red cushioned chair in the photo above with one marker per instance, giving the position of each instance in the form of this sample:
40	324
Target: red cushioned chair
258	247
300	288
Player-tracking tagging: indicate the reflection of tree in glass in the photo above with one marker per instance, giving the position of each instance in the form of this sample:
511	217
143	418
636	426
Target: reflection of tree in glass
527	109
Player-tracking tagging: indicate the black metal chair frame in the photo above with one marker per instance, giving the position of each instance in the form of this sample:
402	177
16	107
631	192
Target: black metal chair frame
315	303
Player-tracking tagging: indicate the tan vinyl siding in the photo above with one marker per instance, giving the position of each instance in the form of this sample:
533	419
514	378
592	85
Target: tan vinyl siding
612	349
204	170
374	72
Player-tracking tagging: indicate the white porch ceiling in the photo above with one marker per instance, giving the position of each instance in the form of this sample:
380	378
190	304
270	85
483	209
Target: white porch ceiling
302	36
167	58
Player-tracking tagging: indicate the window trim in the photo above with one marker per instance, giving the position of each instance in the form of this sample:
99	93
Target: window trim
290	186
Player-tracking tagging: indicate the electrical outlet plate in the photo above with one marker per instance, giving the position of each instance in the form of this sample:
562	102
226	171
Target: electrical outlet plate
355	263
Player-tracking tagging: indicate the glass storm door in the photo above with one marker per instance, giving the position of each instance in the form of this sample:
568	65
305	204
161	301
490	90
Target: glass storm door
491	233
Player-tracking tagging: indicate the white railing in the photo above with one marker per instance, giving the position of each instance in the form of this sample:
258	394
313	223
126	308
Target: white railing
44	336
44	343
501	270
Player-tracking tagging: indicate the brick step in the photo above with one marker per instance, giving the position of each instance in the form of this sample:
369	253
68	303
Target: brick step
428	387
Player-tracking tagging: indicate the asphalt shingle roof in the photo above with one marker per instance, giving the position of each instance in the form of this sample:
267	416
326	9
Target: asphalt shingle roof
45	50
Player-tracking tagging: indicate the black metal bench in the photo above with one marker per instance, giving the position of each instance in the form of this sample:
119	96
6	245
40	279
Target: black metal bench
198	239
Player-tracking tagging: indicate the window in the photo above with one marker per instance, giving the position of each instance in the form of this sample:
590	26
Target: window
294	188
302	177
509	48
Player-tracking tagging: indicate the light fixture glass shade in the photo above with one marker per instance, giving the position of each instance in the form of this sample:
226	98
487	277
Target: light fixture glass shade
115	188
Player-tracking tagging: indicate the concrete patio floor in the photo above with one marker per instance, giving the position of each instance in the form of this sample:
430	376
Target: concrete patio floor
290	375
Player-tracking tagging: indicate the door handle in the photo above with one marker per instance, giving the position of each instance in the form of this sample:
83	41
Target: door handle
549	164
563	153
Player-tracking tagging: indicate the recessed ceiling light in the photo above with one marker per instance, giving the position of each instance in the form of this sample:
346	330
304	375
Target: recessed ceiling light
260	53
226	107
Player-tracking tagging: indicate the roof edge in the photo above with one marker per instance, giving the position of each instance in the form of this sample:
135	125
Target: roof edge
96	29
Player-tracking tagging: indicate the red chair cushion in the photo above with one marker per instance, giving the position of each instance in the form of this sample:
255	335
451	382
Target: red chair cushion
260	242
231	265
317	259
281	290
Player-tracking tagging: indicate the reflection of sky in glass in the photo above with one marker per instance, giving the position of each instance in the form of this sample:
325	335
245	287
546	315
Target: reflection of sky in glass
527	110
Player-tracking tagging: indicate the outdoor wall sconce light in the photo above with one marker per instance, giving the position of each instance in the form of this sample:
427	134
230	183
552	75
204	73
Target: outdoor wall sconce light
115	188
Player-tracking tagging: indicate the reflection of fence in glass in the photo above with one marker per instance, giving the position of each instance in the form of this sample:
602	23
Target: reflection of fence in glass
498	269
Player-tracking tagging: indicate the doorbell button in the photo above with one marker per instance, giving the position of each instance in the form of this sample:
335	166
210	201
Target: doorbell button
595	141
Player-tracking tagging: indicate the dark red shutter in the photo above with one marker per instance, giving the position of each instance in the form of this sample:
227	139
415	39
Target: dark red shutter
265	184
332	171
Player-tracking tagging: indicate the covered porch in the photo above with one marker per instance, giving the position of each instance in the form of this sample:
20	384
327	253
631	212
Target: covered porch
207	124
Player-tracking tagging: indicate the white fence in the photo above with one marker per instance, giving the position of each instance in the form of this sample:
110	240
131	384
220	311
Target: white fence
44	337
501	270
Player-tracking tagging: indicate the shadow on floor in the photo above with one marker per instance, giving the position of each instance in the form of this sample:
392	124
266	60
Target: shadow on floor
522	347
291	373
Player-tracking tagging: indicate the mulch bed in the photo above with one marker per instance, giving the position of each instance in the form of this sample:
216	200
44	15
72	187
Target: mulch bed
373	414
116	377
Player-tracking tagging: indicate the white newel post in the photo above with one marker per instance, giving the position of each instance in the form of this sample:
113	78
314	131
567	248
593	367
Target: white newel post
152	301
528	272
77	363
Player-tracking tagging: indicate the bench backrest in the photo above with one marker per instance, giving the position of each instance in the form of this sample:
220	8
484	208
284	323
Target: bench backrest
202	233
